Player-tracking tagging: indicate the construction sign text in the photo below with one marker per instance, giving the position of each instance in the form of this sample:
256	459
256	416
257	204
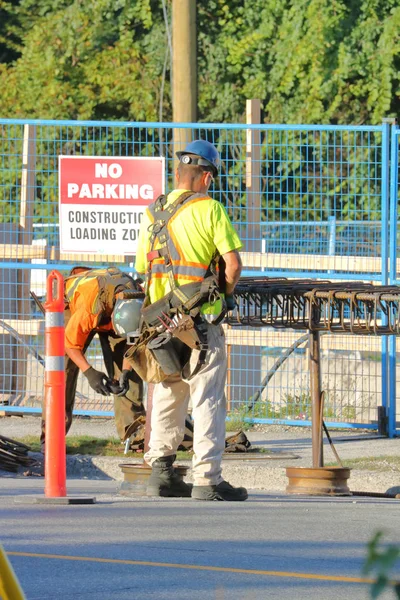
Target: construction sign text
102	200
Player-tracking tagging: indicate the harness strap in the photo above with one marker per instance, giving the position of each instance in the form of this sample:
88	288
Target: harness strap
163	214
201	360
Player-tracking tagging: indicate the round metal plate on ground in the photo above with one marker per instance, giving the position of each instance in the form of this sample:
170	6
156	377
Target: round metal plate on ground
318	481
136	476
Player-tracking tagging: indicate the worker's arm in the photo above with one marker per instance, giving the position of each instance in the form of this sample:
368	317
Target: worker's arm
78	358
77	331
227	242
233	269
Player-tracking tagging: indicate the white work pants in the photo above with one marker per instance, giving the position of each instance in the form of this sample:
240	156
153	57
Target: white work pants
206	391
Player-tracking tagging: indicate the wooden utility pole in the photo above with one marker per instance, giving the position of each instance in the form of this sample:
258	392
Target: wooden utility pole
27	203
253	176
184	69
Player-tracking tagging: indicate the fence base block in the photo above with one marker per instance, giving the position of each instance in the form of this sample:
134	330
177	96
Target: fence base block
318	481
136	476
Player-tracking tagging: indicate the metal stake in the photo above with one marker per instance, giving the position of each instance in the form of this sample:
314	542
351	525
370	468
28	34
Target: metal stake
315	387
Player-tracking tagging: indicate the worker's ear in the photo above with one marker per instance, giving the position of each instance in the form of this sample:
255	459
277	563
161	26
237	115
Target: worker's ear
208	179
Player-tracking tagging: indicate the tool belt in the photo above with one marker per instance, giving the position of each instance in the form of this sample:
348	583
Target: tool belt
170	330
142	359
155	356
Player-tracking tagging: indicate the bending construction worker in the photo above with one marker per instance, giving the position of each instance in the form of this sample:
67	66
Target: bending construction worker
92	296
181	239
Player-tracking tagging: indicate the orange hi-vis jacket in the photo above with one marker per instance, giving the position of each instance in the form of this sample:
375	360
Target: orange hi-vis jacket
90	297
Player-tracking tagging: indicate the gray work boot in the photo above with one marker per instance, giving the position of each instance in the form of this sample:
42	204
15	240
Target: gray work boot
222	491
165	481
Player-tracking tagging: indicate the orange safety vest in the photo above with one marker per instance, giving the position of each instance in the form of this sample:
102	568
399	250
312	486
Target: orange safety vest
101	284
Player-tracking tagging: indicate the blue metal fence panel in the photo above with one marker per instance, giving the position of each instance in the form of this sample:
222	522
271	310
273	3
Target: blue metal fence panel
393	415
317	208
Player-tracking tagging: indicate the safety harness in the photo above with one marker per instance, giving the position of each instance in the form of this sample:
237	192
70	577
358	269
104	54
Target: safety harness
178	314
110	281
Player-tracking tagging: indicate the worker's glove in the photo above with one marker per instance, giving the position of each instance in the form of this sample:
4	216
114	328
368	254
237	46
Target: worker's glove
97	381
125	377
230	302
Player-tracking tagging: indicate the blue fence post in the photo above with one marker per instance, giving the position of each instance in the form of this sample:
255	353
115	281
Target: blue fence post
394	156
385	171
332	237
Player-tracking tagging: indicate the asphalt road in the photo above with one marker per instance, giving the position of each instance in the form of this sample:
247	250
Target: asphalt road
272	546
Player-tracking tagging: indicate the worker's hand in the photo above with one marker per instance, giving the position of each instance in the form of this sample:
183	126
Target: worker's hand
97	381
125	378
230	302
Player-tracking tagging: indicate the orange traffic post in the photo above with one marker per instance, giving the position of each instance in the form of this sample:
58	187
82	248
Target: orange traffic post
54	389
55	463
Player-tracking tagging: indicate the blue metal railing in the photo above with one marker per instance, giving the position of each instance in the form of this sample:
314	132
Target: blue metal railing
321	191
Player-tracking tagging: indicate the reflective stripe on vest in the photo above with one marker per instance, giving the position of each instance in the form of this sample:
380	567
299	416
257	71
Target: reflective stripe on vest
180	270
107	280
181	267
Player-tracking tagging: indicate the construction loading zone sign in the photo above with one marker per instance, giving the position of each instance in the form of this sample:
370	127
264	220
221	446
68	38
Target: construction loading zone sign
102	200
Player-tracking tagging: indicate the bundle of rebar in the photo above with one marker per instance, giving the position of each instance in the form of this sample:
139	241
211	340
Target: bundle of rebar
13	455
344	307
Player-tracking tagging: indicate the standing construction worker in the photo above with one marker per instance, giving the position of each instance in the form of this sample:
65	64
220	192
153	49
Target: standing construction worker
181	239
92	296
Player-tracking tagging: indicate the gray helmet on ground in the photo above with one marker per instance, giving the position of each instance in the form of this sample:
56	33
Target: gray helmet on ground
126	317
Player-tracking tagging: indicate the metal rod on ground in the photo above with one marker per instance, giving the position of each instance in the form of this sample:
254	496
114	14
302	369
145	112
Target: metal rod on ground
376	495
331	443
321	421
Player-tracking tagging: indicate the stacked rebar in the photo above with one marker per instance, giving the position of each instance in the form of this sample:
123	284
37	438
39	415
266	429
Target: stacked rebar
344	307
13	455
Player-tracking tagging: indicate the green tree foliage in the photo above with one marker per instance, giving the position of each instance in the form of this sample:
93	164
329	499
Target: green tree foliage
310	61
8	37
84	60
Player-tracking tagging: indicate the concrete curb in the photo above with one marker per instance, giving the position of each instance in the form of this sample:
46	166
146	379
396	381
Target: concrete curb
261	475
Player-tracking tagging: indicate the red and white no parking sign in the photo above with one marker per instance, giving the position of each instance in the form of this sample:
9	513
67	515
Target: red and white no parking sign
102	200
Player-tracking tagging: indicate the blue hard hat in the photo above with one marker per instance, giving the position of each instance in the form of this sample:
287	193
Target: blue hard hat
200	152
